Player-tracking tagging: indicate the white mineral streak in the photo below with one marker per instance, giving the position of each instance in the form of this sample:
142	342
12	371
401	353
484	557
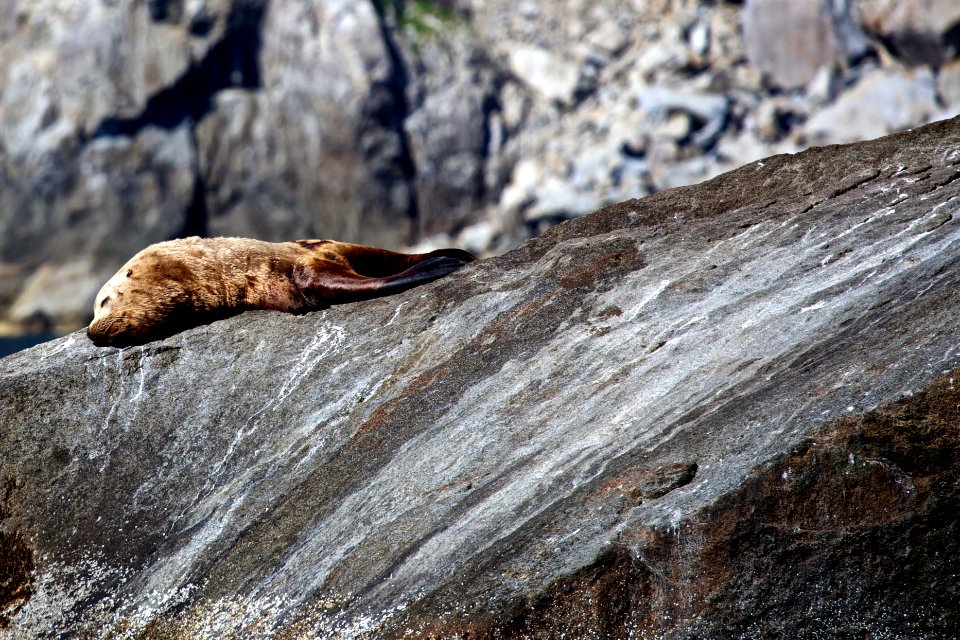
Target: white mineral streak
216	506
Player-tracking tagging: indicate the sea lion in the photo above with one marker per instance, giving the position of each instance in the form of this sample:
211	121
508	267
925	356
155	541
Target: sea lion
179	284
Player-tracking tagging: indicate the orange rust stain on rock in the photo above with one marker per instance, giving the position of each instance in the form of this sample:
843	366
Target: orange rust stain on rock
608	312
383	413
644	483
587	272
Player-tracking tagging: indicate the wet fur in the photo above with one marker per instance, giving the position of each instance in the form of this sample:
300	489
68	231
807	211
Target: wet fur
175	285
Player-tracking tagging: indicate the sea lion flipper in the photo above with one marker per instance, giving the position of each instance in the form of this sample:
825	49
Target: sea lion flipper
322	286
374	262
421	273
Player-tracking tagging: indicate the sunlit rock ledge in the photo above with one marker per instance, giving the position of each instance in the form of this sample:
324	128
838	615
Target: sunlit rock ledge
725	410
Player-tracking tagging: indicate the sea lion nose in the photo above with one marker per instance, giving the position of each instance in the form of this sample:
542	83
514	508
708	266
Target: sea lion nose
100	331
95	335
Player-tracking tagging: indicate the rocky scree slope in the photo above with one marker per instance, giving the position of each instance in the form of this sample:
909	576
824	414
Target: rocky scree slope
436	121
727	410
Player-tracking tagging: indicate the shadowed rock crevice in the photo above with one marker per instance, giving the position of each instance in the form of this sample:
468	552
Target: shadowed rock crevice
231	62
166	10
196	221
388	108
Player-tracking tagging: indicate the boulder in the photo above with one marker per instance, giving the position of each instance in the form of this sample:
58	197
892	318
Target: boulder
454	127
100	200
549	75
790	40
948	84
727	410
881	102
315	148
96	139
919	32
703	115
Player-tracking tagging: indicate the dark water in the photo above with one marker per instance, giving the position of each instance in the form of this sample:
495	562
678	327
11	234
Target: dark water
19	343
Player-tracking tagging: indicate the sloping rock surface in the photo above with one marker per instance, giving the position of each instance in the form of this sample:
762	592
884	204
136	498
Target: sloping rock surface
722	411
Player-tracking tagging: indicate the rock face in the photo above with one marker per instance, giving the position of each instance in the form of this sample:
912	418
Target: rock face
436	122
727	410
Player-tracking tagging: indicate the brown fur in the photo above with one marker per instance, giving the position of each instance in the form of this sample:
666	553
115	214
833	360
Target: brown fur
175	285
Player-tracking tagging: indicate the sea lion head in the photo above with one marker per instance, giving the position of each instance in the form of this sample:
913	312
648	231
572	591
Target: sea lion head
150	297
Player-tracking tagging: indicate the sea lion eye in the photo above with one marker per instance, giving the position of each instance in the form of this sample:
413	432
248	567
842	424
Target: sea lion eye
105	301
129	272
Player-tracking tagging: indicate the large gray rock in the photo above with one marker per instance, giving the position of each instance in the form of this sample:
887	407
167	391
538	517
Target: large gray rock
97	152
91	204
126	124
453	127
667	419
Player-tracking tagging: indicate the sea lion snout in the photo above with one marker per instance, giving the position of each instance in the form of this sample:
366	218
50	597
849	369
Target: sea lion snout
107	331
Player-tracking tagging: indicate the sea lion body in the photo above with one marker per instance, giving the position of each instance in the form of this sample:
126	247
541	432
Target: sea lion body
178	284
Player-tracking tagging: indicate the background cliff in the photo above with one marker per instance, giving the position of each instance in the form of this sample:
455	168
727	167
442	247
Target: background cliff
725	410
469	122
